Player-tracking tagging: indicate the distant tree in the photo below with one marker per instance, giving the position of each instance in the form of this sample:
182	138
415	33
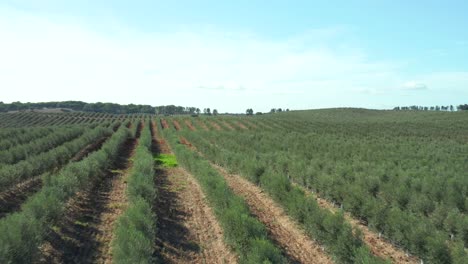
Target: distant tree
287	109
273	110
451	108
215	112
463	107
249	111
279	110
198	111
259	113
207	111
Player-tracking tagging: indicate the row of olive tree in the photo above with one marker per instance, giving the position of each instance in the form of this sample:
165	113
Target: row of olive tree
23	232
329	229
413	194
22	136
135	230
52	140
56	157
242	231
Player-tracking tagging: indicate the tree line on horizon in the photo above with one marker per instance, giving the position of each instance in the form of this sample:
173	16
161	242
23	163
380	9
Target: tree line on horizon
450	108
99	107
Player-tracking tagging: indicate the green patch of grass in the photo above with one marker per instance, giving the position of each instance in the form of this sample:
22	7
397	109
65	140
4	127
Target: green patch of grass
84	224
166	160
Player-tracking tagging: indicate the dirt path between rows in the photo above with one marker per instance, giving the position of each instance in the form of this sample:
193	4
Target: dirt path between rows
164	123
86	231
250	124
215	125
226	124
203	125
176	125
12	199
284	231
242	126
188	231
190	125
378	246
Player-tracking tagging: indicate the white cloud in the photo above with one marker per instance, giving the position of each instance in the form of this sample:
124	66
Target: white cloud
55	58
414	86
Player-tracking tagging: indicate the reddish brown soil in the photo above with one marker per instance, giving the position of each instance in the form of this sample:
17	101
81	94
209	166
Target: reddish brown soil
226	124
242	126
160	145
88	149
190	125
164	124
176	125
188	231
12	199
285	232
379	246
249	123
186	142
215	125
85	233
202	125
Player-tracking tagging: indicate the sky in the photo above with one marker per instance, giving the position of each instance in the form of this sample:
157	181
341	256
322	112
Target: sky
234	55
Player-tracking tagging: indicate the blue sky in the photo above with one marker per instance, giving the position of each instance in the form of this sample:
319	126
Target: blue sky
236	55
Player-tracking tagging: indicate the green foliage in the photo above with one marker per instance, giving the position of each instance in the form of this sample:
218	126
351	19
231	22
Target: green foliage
38	164
241	231
134	234
23	232
166	160
20	152
135	231
402	172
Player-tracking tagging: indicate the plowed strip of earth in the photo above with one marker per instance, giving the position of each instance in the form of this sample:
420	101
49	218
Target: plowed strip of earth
226	124
284	231
215	125
164	124
202	125
252	125
378	245
190	125
188	231
85	233
241	125
176	125
12	199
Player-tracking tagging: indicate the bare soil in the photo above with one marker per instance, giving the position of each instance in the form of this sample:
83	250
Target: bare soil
249	123
12	199
164	124
203	125
285	232
190	125
242	126
215	125
176	125
378	245
226	124
86	231
188	231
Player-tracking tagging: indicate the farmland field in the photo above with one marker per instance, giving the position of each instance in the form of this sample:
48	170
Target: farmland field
316	186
